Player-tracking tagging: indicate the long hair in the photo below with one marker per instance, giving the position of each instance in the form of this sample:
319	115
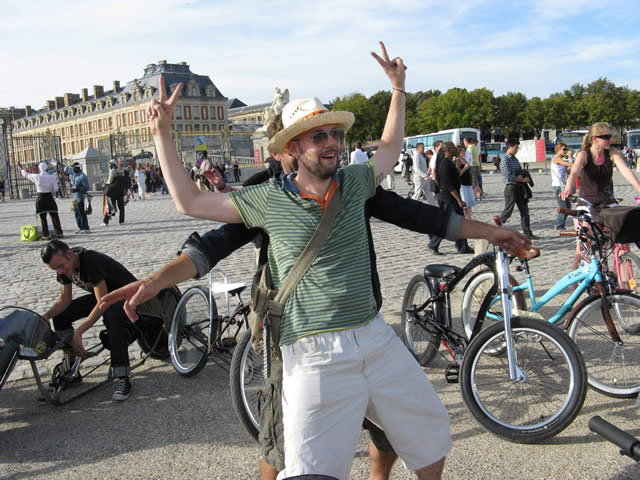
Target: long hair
595	130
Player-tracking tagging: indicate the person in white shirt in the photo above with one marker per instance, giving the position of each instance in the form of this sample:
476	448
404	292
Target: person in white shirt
358	155
559	166
420	172
46	186
140	178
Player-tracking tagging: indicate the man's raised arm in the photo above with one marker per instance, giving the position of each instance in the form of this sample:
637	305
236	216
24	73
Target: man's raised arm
188	199
393	133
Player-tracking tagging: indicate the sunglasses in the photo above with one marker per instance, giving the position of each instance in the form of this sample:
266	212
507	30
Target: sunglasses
604	137
564	149
321	136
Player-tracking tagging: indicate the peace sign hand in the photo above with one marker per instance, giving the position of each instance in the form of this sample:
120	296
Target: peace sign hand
161	112
394	69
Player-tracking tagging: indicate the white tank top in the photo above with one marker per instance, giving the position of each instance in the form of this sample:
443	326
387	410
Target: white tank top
558	175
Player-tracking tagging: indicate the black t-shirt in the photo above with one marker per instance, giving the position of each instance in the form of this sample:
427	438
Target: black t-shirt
96	266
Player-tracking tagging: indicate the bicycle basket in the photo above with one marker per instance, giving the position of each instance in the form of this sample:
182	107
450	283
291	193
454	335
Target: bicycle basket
29	330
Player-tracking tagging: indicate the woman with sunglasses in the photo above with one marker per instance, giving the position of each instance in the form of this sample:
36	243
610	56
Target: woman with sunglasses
559	167
594	168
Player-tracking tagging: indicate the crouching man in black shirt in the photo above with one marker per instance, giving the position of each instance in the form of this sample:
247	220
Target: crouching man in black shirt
98	274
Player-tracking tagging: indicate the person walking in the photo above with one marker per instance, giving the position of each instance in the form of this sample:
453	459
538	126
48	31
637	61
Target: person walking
515	188
2	188
46	186
79	188
559	166
141	179
114	191
420	169
466	182
449	181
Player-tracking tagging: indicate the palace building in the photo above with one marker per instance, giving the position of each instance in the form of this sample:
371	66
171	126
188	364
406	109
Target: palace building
117	118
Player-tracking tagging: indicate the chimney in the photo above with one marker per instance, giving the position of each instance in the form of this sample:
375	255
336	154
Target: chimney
98	91
84	94
27	110
51	105
162	62
59	102
116	86
68	99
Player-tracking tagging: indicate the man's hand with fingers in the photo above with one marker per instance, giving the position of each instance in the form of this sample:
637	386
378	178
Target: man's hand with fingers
394	69
160	112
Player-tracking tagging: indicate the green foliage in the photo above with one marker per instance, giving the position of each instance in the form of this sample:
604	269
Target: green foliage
514	114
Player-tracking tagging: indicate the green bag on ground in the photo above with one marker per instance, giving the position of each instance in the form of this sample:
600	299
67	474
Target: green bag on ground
28	233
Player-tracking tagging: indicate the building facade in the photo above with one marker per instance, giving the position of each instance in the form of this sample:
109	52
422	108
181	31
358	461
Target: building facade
117	119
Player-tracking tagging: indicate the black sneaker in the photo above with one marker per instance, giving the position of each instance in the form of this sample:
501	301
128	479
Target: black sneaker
122	390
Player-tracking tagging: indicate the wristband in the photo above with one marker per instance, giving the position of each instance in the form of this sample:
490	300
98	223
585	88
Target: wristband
401	91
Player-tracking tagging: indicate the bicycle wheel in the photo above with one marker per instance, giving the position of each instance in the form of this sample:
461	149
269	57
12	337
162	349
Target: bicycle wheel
475	292
541	405
629	275
247	382
416	335
614	369
8	358
190	332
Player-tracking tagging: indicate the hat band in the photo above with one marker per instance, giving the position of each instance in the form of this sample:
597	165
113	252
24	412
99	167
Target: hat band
312	114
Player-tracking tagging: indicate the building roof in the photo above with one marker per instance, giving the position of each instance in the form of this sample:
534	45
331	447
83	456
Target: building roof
172	73
235	103
248	109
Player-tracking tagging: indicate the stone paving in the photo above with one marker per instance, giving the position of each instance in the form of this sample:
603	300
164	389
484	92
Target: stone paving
174	427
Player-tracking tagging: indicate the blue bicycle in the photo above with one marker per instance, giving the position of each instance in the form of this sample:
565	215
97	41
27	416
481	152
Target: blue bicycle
605	325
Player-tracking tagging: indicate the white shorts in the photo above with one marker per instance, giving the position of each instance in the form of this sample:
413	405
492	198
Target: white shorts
331	380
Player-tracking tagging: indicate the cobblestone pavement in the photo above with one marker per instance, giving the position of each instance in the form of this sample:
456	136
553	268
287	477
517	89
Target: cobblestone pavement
174	427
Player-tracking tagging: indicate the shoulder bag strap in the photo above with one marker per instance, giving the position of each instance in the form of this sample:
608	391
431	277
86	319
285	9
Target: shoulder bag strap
312	249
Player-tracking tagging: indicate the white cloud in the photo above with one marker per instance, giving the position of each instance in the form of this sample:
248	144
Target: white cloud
314	49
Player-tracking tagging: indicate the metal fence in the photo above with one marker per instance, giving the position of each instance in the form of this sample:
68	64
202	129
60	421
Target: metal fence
31	151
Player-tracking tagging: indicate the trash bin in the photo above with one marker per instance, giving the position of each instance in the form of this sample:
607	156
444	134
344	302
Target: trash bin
25	193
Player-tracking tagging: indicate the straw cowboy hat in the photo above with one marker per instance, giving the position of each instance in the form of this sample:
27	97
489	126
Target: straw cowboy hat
302	115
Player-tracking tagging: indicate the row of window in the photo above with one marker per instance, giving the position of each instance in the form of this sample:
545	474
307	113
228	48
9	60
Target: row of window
197	128
134	138
201	113
70	112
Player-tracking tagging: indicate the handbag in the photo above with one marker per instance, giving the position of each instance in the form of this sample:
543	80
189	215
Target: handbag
28	233
87	204
268	304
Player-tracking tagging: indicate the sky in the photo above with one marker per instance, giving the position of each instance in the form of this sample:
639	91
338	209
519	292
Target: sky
319	49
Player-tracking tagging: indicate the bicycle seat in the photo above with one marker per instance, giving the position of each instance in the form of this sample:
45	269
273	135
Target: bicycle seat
230	288
440	271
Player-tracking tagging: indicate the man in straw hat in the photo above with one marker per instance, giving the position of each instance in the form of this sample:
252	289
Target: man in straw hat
340	359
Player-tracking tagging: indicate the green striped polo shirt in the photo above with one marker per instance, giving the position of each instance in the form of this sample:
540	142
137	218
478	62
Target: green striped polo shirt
336	291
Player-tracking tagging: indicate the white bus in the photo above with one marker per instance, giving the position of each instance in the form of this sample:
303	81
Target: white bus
454	135
632	140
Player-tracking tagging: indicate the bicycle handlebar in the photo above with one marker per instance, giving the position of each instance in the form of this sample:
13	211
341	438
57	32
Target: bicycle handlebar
567	233
628	444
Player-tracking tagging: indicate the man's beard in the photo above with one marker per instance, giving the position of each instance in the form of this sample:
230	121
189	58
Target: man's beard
317	168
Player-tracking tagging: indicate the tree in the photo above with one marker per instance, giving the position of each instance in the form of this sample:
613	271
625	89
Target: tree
454	109
360	107
482	109
556	111
378	108
510	109
534	119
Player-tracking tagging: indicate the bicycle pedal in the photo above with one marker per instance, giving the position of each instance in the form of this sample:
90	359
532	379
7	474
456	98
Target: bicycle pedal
452	373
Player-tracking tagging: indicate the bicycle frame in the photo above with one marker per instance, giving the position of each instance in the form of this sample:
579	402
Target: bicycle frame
585	276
